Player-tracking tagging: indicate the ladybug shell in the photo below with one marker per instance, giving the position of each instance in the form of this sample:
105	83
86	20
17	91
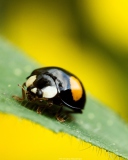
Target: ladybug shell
70	89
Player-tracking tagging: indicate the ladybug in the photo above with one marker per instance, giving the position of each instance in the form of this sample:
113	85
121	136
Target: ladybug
56	86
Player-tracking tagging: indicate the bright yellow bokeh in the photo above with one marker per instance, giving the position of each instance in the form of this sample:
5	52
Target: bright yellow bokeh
25	140
109	20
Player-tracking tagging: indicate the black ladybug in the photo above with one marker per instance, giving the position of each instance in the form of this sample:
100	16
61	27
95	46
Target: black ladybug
57	85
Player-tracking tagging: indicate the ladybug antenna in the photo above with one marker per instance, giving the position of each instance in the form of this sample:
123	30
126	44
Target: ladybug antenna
22	87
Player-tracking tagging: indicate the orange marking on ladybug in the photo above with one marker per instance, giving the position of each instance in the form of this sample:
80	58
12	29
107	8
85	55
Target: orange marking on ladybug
76	88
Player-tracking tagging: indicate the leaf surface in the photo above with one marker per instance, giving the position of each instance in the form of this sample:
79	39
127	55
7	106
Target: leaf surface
97	125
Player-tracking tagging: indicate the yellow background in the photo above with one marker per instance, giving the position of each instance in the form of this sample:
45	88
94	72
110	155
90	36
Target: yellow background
87	38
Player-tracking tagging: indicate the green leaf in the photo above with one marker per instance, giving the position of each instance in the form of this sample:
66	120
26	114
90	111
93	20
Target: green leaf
98	125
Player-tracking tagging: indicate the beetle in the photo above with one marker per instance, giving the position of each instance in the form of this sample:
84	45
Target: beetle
56	86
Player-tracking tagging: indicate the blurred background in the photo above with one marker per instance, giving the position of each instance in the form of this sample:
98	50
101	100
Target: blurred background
88	38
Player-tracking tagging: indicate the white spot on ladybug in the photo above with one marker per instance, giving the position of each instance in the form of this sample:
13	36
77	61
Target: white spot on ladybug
49	92
30	80
34	90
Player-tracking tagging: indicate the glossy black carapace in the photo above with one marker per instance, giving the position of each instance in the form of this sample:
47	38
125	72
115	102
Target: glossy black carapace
56	85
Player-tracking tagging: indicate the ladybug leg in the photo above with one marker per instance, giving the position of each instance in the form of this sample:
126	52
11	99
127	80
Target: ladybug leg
66	115
58	115
50	103
40	109
40	99
23	91
23	94
61	116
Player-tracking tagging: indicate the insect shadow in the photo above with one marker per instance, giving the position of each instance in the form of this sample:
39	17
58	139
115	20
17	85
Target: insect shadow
52	111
